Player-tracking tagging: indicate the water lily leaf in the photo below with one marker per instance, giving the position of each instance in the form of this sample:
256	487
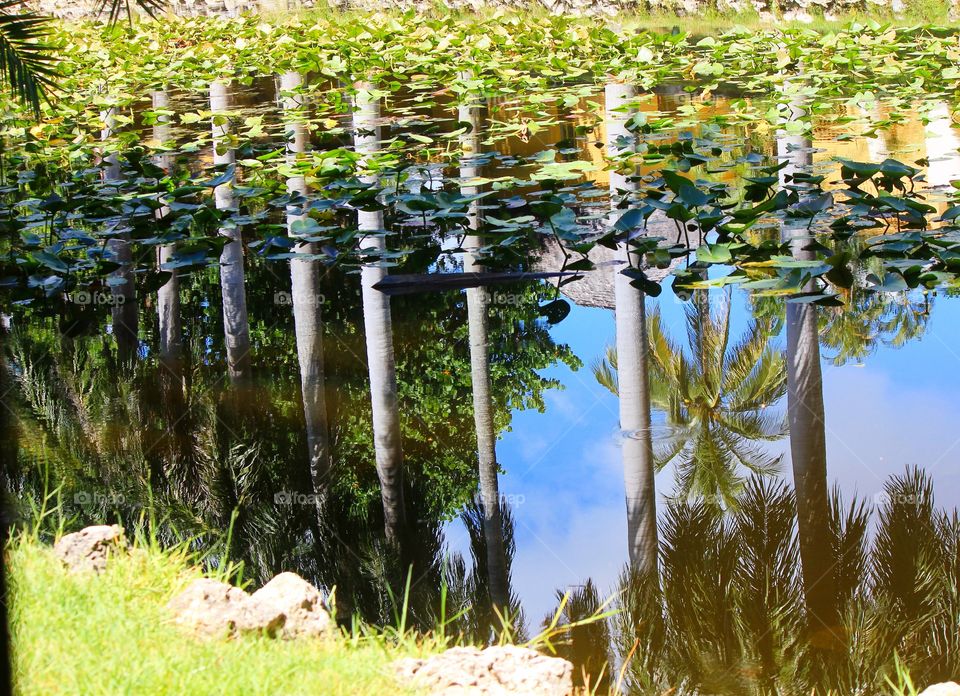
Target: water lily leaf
630	220
692	196
224	177
54	263
188	260
714	253
639	280
555	311
950	213
822	299
891	282
810	206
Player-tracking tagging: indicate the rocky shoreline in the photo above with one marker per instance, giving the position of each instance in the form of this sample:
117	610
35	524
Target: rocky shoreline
290	608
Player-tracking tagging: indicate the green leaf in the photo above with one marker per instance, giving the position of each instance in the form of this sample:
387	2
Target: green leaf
555	311
225	177
692	196
630	220
714	253
54	263
891	282
26	61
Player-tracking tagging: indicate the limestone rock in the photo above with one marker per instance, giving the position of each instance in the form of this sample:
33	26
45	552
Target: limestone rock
943	689
496	671
89	548
210	607
287	607
299	603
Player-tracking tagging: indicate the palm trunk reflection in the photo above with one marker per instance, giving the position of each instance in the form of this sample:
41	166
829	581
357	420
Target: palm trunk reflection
306	298
378	327
122	289
236	327
168	296
478	301
805	415
633	375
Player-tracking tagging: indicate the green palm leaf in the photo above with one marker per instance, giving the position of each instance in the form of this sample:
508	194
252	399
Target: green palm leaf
27	62
718	398
26	65
605	370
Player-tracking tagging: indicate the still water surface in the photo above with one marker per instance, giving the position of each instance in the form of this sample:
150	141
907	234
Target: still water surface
347	433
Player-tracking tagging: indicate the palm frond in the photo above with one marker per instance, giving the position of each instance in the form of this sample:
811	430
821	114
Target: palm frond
114	8
771	593
605	371
699	559
26	62
715	476
666	356
848	529
755	375
586	645
755	425
751	455
708	335
641	634
667	449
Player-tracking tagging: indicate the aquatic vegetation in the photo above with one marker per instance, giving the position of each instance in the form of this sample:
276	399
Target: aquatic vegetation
93	173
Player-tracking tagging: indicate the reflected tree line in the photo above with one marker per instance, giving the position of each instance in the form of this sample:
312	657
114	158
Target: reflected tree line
748	585
344	454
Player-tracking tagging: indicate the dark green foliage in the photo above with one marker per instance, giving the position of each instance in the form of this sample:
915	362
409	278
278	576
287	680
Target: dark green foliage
728	615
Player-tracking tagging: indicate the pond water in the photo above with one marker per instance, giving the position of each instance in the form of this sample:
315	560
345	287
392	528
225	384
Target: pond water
300	406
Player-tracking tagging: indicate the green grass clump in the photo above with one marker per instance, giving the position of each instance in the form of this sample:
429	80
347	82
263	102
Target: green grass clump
80	633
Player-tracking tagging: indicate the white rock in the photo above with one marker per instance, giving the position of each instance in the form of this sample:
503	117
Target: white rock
942	689
496	671
286	607
90	548
210	607
297	601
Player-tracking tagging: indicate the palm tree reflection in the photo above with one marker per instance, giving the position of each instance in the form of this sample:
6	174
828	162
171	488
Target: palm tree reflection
306	299
236	327
632	347
719	400
733	614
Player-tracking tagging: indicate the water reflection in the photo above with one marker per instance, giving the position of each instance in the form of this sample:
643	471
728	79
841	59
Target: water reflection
236	326
718	396
633	382
122	288
478	304
306	298
377	321
168	296
737	584
806	415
